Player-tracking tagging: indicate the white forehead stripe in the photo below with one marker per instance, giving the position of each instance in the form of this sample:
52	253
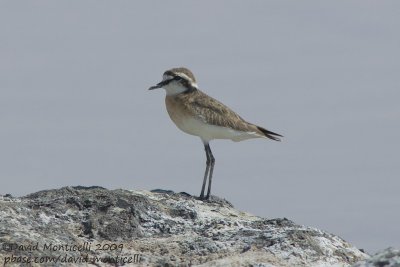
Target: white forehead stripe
166	77
184	76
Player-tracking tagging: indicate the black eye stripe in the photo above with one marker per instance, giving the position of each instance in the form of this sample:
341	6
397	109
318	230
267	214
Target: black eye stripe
175	78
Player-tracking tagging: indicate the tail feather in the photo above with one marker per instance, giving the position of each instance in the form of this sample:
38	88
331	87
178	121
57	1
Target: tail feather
269	134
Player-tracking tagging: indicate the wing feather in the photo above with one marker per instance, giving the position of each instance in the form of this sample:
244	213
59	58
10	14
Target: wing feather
213	112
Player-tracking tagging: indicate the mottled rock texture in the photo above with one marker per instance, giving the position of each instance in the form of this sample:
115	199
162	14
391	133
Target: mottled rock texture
389	257
75	226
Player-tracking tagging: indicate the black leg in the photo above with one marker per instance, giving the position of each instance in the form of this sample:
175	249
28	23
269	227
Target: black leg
206	172
212	162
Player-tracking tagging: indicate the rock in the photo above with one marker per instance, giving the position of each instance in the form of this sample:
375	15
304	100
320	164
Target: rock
77	226
389	257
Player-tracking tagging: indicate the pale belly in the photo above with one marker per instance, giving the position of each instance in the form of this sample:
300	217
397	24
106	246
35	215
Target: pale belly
209	132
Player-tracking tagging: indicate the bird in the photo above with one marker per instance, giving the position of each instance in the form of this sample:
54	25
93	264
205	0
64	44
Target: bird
196	113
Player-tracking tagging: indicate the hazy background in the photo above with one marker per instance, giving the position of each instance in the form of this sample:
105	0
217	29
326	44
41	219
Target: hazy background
75	110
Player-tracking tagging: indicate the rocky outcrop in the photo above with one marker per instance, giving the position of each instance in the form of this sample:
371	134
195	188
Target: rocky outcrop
389	257
95	226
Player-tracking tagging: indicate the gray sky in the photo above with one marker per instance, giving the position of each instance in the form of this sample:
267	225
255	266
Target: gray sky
75	110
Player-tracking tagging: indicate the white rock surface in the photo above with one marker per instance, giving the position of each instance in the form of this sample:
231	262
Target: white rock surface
158	228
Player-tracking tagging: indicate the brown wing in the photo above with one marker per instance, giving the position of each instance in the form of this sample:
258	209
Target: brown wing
213	112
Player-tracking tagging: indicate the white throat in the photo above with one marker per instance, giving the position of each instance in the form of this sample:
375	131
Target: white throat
174	88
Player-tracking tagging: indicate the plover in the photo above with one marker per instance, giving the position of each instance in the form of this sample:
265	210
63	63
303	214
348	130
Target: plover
198	114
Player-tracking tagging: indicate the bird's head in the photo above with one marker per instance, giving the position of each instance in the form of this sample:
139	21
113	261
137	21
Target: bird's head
176	81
